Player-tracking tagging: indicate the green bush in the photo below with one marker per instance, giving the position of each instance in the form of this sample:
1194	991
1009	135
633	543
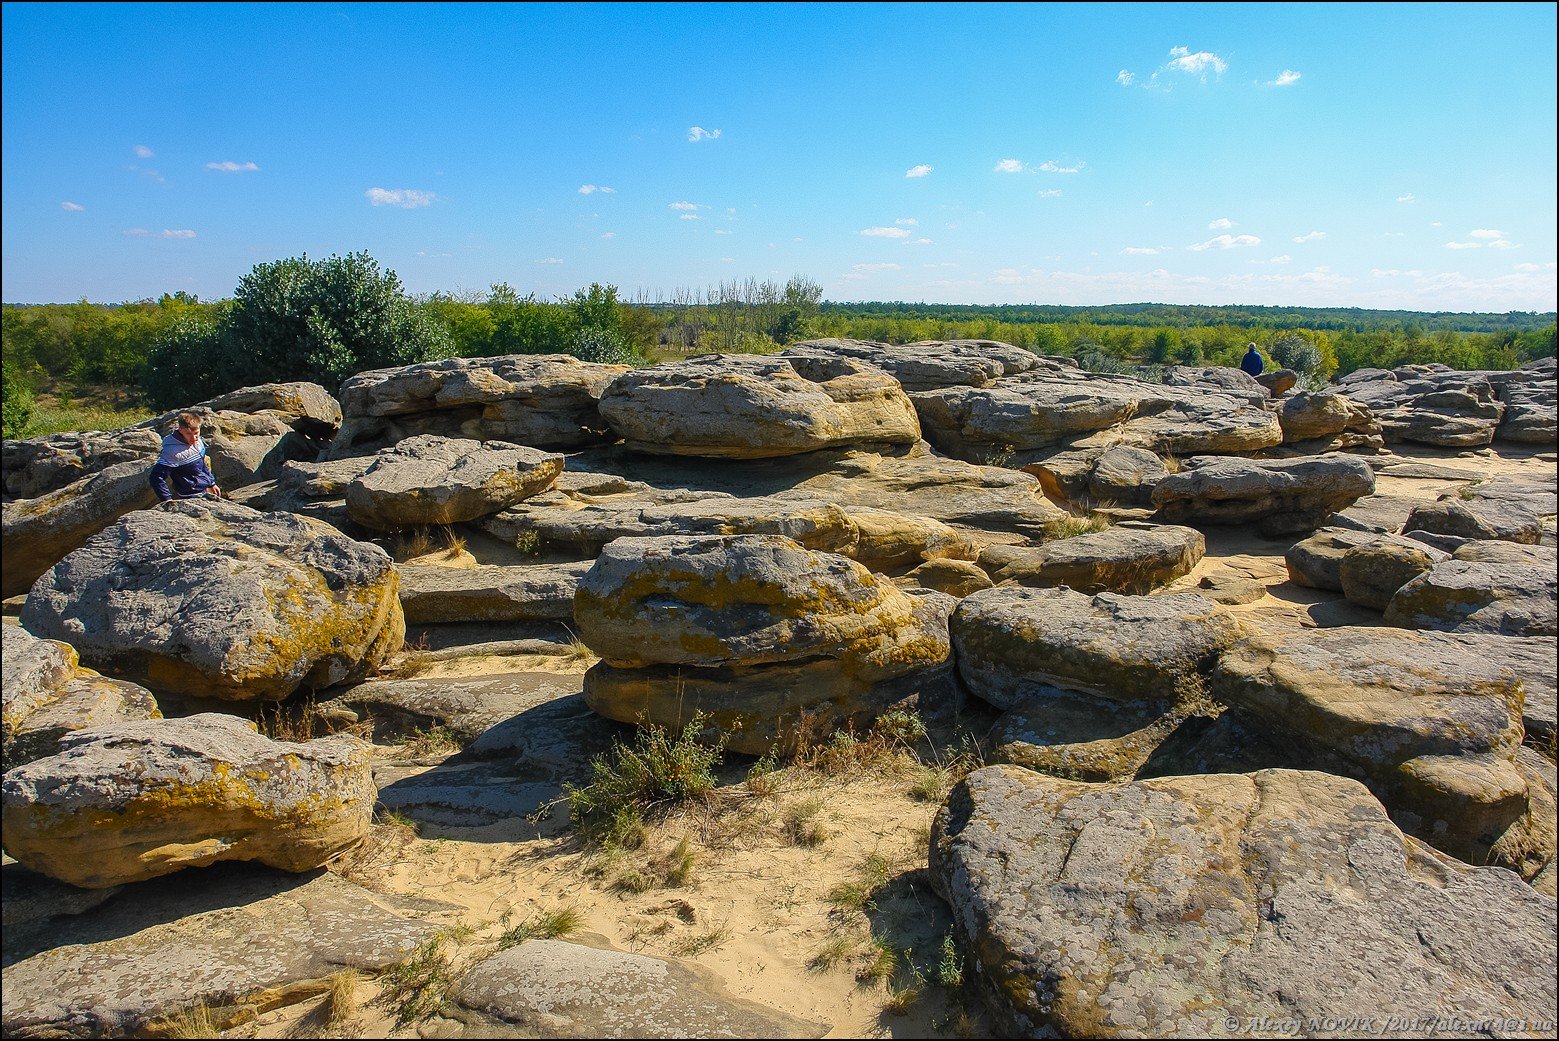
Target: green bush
16	404
594	343
653	774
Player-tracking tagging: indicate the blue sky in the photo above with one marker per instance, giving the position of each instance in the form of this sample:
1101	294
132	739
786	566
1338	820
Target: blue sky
1394	156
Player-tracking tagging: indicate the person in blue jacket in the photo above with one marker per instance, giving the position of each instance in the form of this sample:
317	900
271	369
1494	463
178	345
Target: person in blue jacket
1252	363
183	469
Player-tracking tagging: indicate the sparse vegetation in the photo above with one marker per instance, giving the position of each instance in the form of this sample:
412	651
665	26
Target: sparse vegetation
856	894
435	740
691	945
801	823
634	782
1072	526
417	986
196	1021
544	925
837	949
341	1000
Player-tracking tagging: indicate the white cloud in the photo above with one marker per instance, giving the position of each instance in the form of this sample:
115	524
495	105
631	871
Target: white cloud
1051	167
906	222
1049	193
1502	244
1195	64
727	260
1528	267
885	233
688	216
1226	242
700	134
1437	224
72	207
549	260
228	166
1125	78
1464	245
586	189
405	198
1009	166
722	231
919	171
1007	276
1139	251
1281	259
1312	236
690	206
1286	78
1406	198
918	242
1485	233
1395	234
1221	224
609	234
165	233
142	152
875	267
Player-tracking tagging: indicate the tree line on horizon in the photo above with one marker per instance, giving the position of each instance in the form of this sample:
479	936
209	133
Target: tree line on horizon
323	320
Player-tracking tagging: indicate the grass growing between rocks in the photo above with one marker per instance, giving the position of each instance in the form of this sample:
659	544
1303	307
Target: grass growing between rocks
417	986
1072	526
544	925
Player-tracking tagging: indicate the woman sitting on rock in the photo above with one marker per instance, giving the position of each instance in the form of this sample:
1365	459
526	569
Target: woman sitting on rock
183	469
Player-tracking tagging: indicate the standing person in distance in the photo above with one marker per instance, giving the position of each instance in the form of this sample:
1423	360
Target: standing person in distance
183	469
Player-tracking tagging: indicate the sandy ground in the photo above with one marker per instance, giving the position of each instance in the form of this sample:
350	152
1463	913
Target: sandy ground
760	908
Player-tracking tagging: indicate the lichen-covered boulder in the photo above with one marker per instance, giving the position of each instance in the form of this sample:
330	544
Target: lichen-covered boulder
1430	721
1096	478
489	593
1316	561
1195	906
132	801
1319	419
1278	496
926	364
752	407
542	400
430	479
1372	573
1505	508
1470	596
212	599
954	577
759	635
1118	559
47	695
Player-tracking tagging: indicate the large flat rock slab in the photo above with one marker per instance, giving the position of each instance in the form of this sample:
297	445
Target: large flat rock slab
1278	496
489	593
1471	596
1116	560
927	364
1504	508
1190	906
246	936
554	989
428	479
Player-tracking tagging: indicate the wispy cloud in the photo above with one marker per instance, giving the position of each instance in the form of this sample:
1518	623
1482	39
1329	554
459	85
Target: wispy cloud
1049	193
1281	259
1139	251
72	207
1485	233
885	233
228	166
587	189
688	216
1504	244
876	267
549	260
1195	64
722	231
1310	236
1053	167
142	152
1286	78
1226	242
1009	166
906	222
1221	224
166	233
700	134
1464	245
1125	78
688	206
919	171
918	242
608	234
405	198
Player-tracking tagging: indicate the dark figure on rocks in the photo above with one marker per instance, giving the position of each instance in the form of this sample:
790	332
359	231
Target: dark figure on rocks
1252	363
183	469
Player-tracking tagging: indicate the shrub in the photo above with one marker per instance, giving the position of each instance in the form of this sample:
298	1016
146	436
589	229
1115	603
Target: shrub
653	774
594	343
16	405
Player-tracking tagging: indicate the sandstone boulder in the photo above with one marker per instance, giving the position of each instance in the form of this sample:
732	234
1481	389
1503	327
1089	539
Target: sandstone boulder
1372	573
1190	906
755	632
1430	721
753	407
1118	559
429	479
132	801
1098	478
1469	596
1316	561
928	364
212	599
47	695
1307	418
550	988
956	578
489	593
542	400
1504	508
1278	381
1278	496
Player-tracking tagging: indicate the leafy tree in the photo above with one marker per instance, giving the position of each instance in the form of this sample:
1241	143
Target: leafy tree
15	403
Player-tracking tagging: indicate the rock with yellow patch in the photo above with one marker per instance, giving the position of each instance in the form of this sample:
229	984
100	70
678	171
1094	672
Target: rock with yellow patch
47	695
1117	560
758	634
928	364
1190	906
431	479
1430	721
212	599
133	801
1277	496
750	407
